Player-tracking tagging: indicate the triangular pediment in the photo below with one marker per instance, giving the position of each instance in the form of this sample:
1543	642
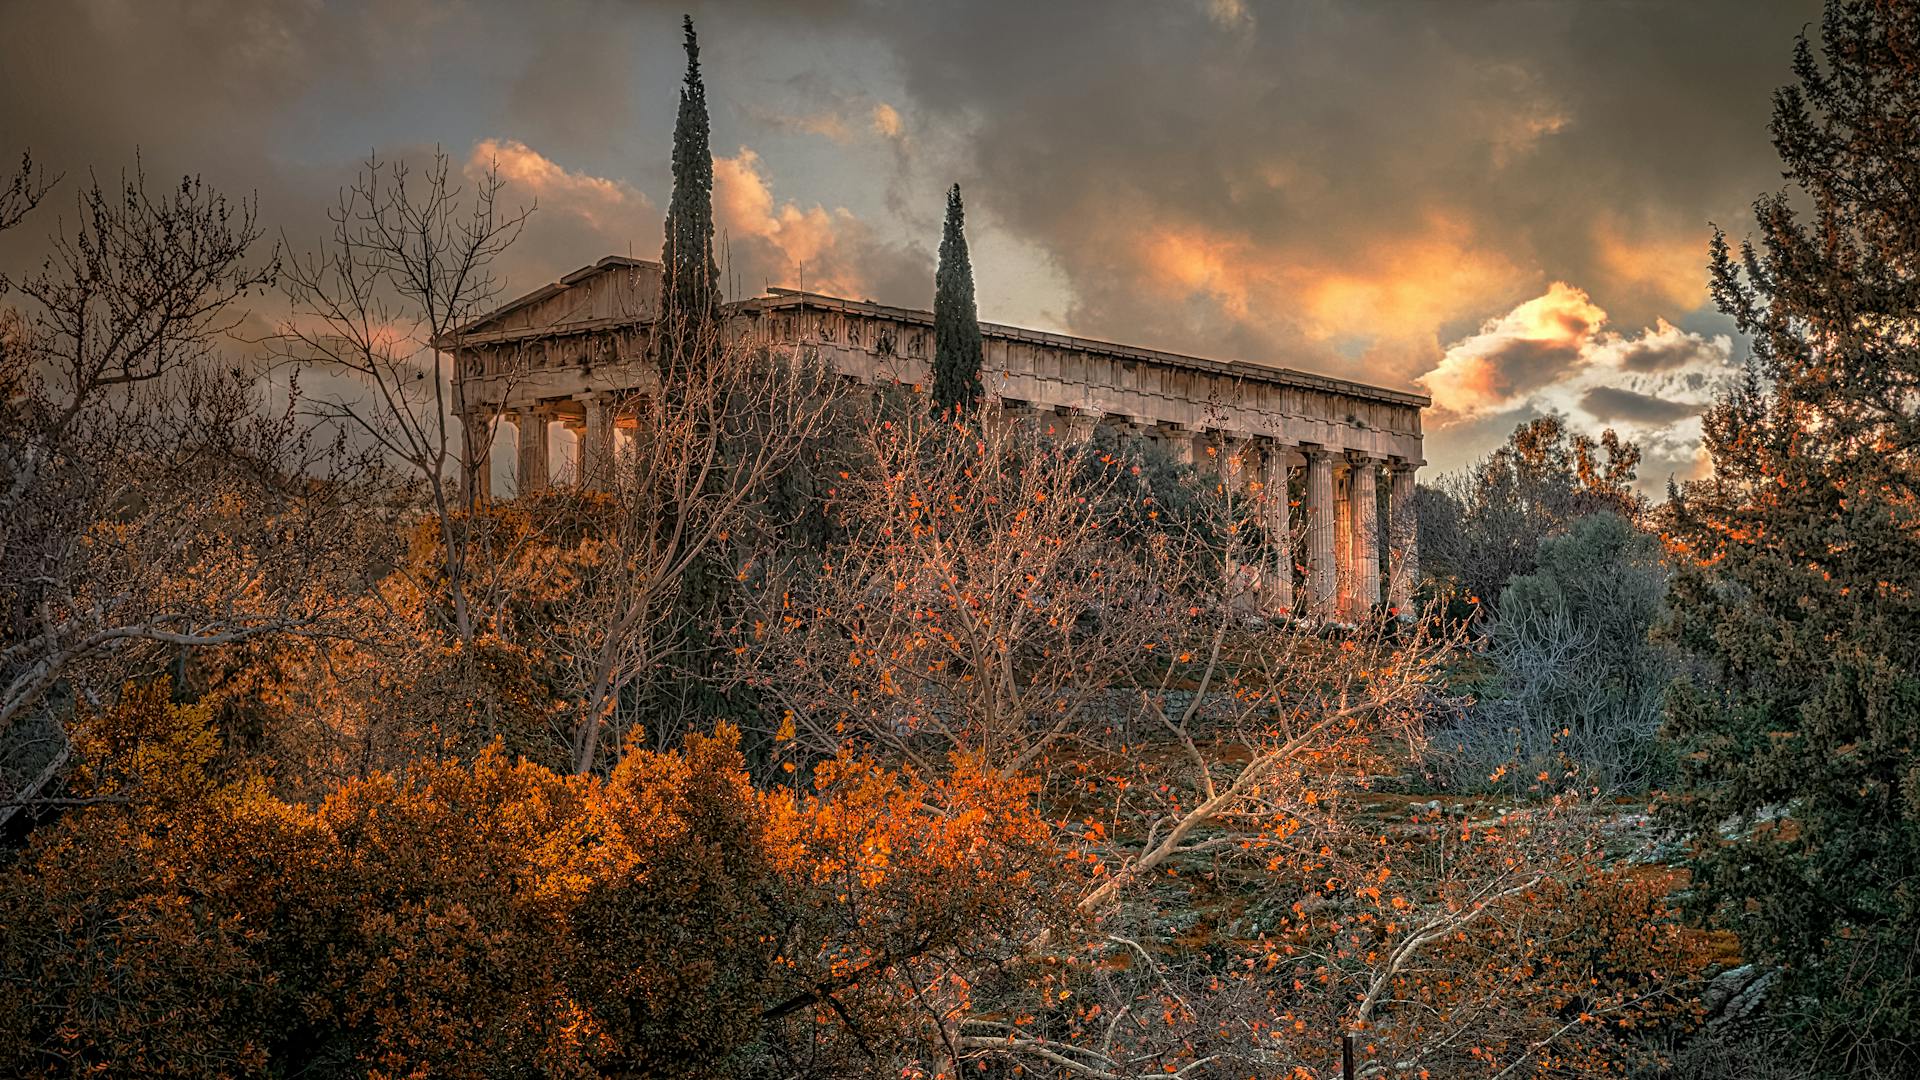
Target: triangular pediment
615	290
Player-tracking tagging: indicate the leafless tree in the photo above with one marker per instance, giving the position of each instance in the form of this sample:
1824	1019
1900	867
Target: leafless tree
407	264
147	503
23	191
999	593
983	597
703	456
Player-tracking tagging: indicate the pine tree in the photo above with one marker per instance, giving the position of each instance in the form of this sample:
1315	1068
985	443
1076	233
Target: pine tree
957	349
690	291
1802	571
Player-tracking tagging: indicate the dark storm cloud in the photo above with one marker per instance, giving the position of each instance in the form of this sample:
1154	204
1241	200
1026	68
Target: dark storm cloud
282	98
576	84
1610	403
207	88
1321	171
1323	183
1663	354
1520	365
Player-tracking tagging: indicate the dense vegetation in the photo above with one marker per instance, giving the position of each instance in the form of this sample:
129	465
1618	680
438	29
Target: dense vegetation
1800	569
836	736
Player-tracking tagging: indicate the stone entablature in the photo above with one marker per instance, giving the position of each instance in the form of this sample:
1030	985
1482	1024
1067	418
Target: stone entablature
570	352
1141	386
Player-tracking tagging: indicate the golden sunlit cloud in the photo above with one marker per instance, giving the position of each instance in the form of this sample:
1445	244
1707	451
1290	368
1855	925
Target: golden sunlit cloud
841	122
1196	263
825	123
1387	296
1398	289
1554	354
609	206
1518	352
812	247
761	239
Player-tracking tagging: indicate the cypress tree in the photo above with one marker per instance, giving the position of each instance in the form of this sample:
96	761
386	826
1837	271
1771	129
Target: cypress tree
689	304
690	292
957	350
1801	583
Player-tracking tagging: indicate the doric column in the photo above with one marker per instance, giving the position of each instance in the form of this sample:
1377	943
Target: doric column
1232	461
1279	570
576	470
1342	535
1403	539
530	427
1363	502
596	444
476	466
1322	569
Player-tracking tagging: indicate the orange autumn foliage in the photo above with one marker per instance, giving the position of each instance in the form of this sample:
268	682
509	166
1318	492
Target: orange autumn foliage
465	920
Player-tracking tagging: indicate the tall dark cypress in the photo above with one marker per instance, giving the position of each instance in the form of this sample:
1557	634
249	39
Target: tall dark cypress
691	290
957	349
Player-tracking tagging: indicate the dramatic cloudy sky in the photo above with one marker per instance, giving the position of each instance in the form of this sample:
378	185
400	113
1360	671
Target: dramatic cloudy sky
1503	203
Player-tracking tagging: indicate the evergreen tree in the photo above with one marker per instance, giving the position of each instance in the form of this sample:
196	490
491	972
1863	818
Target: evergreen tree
690	292
1802	578
957	350
689	302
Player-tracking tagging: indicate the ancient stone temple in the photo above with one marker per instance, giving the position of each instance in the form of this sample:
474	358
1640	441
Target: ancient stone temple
570	353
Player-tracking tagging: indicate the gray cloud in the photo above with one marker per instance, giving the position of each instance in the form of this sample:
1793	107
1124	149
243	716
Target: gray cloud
1321	183
1416	164
576	85
1610	403
1522	365
1659	354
